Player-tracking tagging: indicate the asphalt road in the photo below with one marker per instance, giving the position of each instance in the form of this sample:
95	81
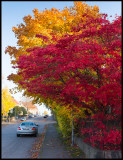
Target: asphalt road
19	147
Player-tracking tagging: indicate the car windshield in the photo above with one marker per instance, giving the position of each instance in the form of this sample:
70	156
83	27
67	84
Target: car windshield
27	124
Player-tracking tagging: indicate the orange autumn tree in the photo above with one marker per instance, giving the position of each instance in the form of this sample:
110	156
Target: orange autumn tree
51	24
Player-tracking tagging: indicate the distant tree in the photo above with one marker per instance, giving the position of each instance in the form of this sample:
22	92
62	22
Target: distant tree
17	110
23	110
7	101
45	112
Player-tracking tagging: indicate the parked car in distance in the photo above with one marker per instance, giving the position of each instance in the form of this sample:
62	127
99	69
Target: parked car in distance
23	119
45	116
31	116
27	128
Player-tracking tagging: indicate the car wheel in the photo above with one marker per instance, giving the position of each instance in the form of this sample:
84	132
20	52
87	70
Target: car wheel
18	135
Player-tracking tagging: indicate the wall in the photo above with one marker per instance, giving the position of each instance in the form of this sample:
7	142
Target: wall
92	152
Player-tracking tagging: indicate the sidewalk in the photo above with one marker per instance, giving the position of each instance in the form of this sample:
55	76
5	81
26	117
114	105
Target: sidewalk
7	123
11	122
52	146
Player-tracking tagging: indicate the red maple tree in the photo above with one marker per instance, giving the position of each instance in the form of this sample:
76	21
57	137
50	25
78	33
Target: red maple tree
83	70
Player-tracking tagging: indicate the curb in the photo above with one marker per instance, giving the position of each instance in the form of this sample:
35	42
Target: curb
41	149
37	147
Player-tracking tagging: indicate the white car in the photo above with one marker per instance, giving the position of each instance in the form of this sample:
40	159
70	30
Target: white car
23	119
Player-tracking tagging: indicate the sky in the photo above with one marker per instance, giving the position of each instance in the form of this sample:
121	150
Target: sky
12	14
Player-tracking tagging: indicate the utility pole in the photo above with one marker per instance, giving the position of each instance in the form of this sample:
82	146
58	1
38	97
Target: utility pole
72	129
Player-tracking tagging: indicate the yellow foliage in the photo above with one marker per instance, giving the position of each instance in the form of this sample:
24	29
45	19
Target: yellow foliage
47	22
7	101
45	113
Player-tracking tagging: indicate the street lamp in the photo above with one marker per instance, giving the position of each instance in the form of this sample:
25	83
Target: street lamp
15	112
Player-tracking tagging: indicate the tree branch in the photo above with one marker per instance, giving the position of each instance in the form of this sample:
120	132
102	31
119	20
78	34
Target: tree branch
84	105
62	79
